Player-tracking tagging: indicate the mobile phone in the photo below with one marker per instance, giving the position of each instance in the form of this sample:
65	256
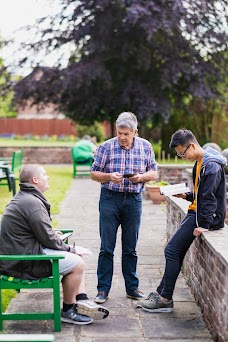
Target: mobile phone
128	175
65	236
131	174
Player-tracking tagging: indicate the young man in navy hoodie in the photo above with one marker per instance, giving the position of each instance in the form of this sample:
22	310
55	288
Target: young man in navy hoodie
207	211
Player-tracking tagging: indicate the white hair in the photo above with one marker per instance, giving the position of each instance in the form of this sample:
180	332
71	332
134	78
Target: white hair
127	120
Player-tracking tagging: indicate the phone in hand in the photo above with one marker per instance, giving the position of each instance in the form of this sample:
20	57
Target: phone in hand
128	175
65	236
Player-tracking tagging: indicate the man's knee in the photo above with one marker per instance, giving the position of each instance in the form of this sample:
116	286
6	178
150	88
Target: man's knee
70	263
170	251
80	266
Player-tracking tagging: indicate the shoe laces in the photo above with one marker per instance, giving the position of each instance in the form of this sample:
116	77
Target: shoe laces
153	296
101	293
138	291
73	313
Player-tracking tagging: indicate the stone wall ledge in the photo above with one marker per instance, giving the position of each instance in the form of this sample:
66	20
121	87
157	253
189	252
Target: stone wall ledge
206	270
218	243
217	240
175	166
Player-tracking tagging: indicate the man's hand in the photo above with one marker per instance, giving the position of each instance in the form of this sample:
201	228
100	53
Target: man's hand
58	232
180	196
198	231
116	177
136	178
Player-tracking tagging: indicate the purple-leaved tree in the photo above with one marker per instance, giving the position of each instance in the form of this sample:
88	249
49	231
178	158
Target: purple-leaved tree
151	57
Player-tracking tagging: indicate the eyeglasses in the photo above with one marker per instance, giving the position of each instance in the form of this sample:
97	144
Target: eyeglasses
182	154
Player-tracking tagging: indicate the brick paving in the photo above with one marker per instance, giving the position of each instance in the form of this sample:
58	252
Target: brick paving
125	323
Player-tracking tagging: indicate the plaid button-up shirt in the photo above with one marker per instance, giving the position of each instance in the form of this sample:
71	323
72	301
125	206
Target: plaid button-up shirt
111	157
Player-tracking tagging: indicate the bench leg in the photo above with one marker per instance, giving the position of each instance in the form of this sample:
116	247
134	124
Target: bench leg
56	295
1	320
13	184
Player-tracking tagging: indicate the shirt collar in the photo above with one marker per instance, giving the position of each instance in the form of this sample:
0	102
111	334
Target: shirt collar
132	145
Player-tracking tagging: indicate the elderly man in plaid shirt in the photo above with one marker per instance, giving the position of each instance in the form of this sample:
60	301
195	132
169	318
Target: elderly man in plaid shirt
122	165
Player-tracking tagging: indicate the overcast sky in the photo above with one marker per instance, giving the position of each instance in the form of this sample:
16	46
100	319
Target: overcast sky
17	13
14	14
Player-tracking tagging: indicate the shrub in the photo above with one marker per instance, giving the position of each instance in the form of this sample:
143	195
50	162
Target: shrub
158	183
96	130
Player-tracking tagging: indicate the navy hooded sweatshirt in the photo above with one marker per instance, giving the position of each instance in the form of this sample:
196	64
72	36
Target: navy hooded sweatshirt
211	192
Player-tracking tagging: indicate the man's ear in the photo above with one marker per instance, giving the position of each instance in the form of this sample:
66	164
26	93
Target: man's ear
136	131
35	180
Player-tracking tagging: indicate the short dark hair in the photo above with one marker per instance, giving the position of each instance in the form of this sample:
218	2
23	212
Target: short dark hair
28	172
182	137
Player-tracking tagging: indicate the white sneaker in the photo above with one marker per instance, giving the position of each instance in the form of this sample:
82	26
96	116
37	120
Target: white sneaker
89	308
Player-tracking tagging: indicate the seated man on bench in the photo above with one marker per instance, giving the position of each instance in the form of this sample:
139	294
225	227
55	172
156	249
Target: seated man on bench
26	229
84	150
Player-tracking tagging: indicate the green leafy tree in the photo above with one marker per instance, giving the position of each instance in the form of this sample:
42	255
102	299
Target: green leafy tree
201	115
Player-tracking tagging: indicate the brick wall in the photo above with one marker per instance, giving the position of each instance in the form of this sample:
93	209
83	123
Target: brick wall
37	126
206	268
175	173
42	126
40	155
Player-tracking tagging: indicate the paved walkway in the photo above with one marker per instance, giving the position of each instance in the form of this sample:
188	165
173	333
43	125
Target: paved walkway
125	323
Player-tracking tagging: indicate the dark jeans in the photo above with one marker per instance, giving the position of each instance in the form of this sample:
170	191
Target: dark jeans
175	252
125	209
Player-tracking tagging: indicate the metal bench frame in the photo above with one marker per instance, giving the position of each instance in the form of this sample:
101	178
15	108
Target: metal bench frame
16	165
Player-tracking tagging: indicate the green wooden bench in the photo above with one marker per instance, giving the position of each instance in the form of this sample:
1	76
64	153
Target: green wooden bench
80	168
44	283
27	338
18	284
16	164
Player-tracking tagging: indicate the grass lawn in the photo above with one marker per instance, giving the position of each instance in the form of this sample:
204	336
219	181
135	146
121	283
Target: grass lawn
60	181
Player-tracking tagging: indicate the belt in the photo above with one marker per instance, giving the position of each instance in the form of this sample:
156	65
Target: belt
122	192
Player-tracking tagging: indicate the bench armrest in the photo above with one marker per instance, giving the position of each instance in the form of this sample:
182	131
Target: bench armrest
65	231
31	257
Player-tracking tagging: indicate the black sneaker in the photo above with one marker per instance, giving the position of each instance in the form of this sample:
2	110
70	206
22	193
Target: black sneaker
101	297
71	316
138	295
90	308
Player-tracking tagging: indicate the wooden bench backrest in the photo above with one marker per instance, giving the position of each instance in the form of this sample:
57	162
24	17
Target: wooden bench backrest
80	169
45	283
27	338
17	160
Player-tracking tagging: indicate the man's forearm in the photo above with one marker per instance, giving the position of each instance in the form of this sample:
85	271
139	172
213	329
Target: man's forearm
100	177
149	175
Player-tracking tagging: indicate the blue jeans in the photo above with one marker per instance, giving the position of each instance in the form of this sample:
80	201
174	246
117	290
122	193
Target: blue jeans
175	252
125	209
